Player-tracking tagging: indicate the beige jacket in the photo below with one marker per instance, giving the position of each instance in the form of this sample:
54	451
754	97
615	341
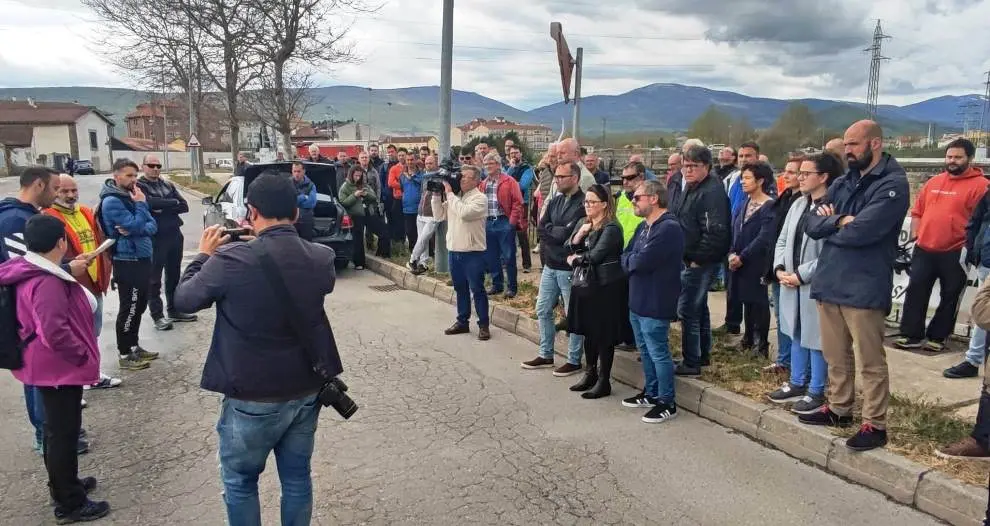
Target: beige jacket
980	311
465	216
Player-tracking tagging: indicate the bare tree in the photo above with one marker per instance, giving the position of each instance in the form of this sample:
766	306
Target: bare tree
300	35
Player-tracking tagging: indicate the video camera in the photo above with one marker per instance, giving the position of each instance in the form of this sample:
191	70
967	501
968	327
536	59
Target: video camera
450	171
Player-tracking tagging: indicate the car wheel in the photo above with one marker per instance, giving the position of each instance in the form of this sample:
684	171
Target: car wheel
340	264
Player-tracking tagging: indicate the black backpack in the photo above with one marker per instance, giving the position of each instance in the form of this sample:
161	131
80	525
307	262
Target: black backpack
11	345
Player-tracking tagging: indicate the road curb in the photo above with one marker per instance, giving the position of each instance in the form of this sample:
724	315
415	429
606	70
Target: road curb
900	479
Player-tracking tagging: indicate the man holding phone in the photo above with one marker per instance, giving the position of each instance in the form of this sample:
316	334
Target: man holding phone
166	204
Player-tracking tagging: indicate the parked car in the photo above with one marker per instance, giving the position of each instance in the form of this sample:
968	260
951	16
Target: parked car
332	225
226	164
84	167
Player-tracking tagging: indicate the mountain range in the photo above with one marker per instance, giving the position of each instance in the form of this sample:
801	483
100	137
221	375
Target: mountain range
656	107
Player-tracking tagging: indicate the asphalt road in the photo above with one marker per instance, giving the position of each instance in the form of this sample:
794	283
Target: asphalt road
450	432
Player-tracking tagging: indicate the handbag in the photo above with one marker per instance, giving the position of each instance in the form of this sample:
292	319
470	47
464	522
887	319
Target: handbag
584	279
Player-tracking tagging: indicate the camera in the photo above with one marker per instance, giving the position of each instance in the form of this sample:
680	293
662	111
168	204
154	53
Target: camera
235	233
450	171
334	394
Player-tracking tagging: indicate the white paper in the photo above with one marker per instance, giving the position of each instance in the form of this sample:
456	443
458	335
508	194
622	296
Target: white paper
104	246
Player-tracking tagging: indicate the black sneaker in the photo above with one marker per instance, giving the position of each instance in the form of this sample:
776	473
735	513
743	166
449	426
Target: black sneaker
808	404
683	370
538	363
494	292
963	370
825	417
908	343
567	369
163	324
725	329
660	414
130	362
88	484
787	393
639	401
182	317
509	294
868	437
89	511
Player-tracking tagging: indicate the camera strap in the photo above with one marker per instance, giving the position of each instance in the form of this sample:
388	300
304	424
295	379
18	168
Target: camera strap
270	269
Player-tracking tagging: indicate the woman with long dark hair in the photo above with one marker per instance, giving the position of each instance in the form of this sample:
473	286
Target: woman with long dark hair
599	308
749	257
361	204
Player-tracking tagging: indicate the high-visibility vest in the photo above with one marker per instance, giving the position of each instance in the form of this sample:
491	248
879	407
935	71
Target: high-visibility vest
625	214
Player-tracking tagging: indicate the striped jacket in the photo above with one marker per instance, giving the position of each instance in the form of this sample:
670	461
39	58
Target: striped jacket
14	213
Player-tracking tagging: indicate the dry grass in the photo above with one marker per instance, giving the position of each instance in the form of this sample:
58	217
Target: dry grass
206	185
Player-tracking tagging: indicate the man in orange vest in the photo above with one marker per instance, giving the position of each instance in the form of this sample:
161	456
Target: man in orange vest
84	235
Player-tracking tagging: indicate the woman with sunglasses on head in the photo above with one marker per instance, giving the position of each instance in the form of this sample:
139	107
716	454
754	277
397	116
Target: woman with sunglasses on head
794	263
600	310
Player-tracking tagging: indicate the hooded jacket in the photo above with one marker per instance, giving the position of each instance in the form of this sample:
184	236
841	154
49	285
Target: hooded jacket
653	261
118	210
944	206
306	198
855	267
412	191
14	213
55	314
166	203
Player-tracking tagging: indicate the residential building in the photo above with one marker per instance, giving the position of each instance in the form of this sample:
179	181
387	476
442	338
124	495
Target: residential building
60	130
536	136
16	141
159	121
410	142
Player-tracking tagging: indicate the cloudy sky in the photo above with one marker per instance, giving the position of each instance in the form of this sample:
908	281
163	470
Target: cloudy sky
771	48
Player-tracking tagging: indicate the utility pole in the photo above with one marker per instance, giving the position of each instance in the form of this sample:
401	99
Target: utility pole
164	122
446	70
604	120
194	168
985	116
369	117
578	65
875	60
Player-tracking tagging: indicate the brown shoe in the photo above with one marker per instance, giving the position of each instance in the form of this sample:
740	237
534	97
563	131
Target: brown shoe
967	449
567	370
538	363
457	328
484	334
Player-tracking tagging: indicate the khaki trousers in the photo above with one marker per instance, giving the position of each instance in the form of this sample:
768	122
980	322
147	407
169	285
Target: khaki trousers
852	340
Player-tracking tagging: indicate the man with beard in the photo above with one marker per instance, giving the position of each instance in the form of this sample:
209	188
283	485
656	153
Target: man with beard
853	281
242	164
938	224
726	162
305	199
374	158
342	165
124	215
523	173
393	215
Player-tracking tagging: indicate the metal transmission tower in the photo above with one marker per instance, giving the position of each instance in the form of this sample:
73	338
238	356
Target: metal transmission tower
876	58
986	114
968	114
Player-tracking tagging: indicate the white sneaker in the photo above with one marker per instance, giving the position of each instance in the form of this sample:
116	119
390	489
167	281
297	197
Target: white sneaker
83	403
106	382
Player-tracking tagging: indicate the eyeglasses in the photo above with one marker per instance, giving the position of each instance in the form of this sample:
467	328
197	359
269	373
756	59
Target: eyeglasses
589	202
155	166
690	166
802	175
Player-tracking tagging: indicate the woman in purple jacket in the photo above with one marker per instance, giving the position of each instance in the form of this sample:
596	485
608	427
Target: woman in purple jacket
61	355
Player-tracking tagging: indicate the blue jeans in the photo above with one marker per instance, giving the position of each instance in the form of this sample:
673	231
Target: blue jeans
808	367
783	340
658	367
692	309
467	271
501	242
978	341
249	432
35	411
98	315
553	285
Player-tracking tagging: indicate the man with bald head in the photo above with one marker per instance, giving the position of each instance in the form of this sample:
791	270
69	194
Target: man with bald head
835	147
860	223
166	204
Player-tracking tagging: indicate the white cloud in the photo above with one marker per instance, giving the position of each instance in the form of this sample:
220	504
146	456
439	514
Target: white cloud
756	47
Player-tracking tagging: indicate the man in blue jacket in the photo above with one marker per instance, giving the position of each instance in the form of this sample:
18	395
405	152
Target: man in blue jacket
124	215
653	261
306	200
523	173
853	281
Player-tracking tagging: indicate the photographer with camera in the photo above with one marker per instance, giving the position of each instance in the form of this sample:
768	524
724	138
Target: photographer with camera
273	354
465	215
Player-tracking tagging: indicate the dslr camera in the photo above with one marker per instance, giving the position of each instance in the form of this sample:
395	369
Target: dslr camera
334	394
450	171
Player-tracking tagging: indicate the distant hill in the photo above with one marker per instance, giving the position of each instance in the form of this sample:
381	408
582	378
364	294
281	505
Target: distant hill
656	107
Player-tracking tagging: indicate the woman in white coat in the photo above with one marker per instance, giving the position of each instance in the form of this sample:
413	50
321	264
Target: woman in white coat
795	260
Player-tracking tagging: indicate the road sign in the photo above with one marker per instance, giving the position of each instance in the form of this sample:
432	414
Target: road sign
193	142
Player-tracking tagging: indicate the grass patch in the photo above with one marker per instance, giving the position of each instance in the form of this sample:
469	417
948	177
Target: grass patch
916	428
205	185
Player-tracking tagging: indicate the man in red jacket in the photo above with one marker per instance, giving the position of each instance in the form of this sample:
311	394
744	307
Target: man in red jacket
506	216
84	235
938	224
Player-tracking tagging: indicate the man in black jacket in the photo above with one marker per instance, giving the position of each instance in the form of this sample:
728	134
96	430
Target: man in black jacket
703	211
166	203
555	228
268	378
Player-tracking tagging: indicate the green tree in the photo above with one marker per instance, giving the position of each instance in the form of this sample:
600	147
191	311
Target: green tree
498	142
712	126
794	129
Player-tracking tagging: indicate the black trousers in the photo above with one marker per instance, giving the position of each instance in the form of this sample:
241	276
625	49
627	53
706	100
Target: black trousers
63	419
304	227
527	257
757	319
376	225
926	267
167	258
357	232
132	278
396	225
411	231
733	306
599	356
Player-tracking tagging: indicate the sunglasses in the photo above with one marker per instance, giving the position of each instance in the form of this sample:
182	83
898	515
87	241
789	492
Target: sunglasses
636	198
156	166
